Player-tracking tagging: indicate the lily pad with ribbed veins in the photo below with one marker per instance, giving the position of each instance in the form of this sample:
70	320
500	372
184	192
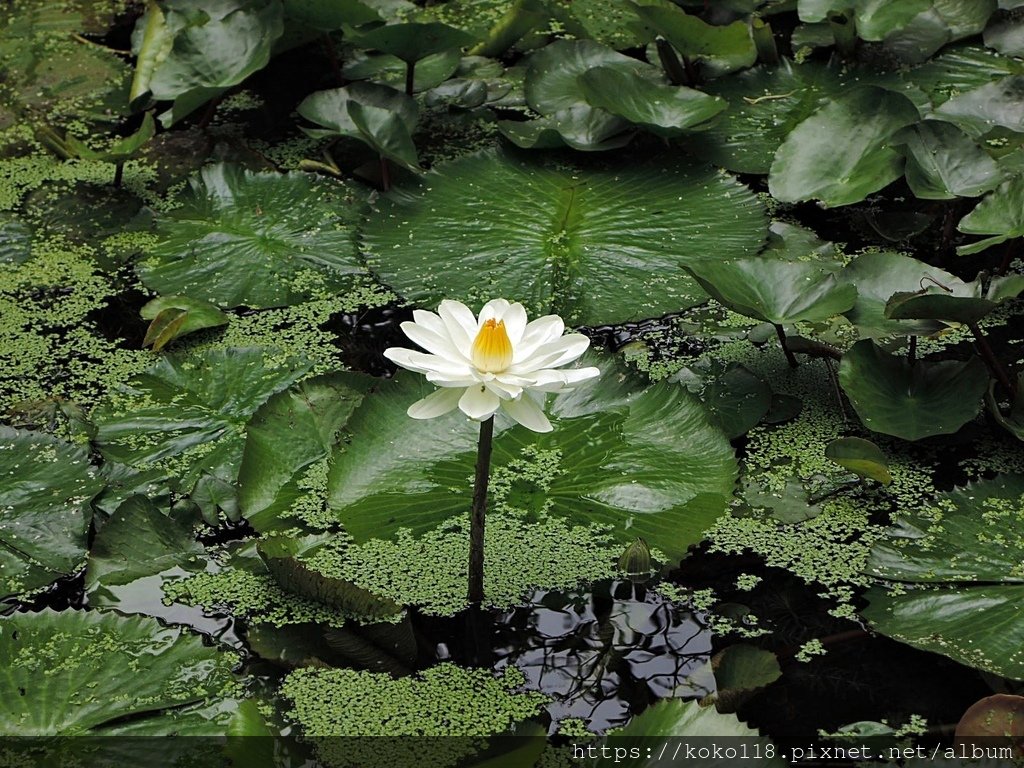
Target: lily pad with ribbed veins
962	558
255	239
641	458
188	413
66	673
595	246
45	488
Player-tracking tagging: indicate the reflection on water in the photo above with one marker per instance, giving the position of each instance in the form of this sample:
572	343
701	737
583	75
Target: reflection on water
607	654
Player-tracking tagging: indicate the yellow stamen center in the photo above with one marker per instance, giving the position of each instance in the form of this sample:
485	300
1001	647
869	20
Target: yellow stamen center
492	349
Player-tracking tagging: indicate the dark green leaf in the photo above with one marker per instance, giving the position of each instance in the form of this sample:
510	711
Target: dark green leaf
966	552
88	656
642	459
719	49
880	275
289	432
862	122
943	163
1006	36
1000	214
140	540
912	401
998	104
663	109
593	246
44	509
954	301
192	51
552	76
413	41
765	105
242	238
188	412
775	291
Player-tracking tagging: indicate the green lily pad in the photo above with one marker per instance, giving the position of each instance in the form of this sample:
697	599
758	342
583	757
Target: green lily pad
187	413
736	398
176	316
593	246
662	109
190	52
878	276
740	671
999	214
552	75
581	127
329	15
291	431
140	540
773	290
65	672
943	162
912	401
643	459
242	238
998	104
414	40
390	70
377	115
964	557
719	49
1006	36
860	456
954	301
44	509
863	122
960	69
688	719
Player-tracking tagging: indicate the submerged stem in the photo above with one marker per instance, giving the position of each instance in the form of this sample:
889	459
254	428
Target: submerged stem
118	174
992	361
385	174
476	528
785	346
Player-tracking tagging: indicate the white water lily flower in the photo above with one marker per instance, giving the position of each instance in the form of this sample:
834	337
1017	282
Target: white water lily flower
491	362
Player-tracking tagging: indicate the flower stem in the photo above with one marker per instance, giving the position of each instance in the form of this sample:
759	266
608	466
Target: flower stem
476	529
785	346
997	369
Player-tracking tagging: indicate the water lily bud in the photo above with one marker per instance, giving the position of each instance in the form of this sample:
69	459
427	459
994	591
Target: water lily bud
636	561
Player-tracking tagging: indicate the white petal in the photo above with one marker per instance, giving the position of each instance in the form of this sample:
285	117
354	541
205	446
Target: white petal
537	332
515	323
527	412
422	362
493	309
443	379
562	380
478	402
460	322
429	320
435	404
436	343
562	350
503	390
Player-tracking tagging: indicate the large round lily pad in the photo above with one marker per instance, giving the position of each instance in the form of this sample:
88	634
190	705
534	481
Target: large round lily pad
45	488
643	459
964	557
255	239
65	673
187	413
595	246
911	400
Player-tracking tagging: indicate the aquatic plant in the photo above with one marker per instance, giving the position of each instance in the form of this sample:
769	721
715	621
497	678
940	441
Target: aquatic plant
482	364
